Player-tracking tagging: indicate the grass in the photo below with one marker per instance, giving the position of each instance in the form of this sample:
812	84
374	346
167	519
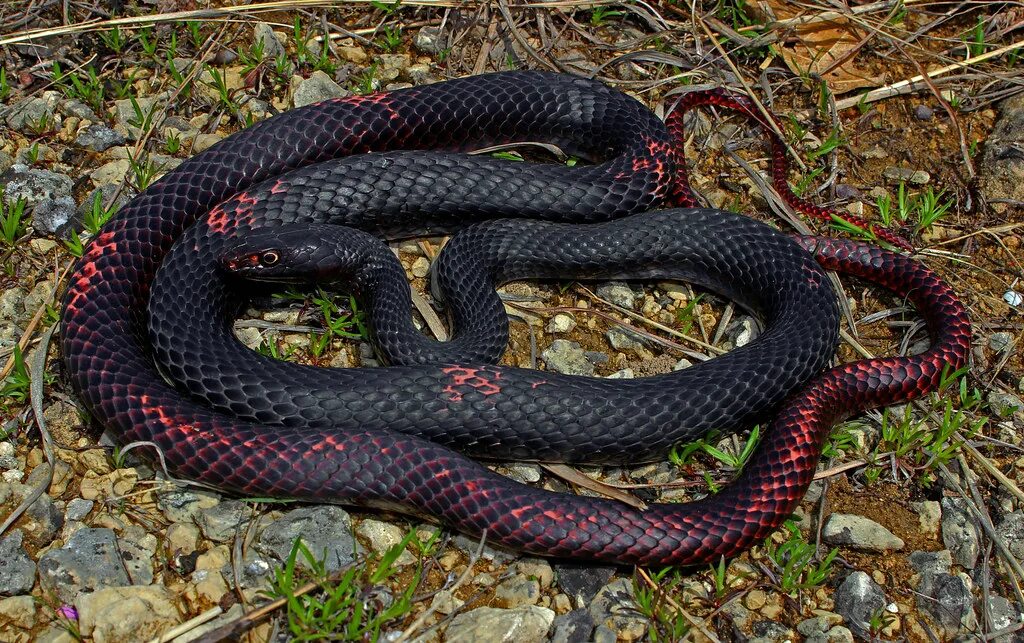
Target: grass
653	602
12	219
355	604
15	387
390	39
796	567
683	455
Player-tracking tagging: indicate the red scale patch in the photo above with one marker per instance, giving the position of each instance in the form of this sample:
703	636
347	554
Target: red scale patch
465	379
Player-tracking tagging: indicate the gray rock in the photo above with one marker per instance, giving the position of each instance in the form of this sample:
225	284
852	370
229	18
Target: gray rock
818	624
325	530
561	323
1005	404
564	356
1001	170
738	615
931	562
572	627
30	114
857	599
617	293
51	216
906	175
90	560
392	67
615	608
1004	613
860	533
741	332
581	582
136	613
6	161
947	599
78	109
184	505
382	536
837	634
929	516
959	532
221	522
1000	342
923	112
137	551
770	632
516	591
78	508
125	116
429	40
99	138
522	471
318	87
272	47
34	185
527	624
17	570
1011	530
623	339
46	519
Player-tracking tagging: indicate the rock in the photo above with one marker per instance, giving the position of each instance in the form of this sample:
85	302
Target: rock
90	560
1001	170
521	471
923	112
613	607
79	110
420	267
1011	530
860	533
741	332
931	562
392	67
929	516
112	172
516	591
857	599
383	536
318	87
819	624
183	504
429	40
906	175
17	570
272	45
127	121
137	551
6	161
34	185
221	522
1000	342
959	533
623	339
34	114
355	55
561	323
1005	404
527	624
1004	613
572	627
17	612
45	520
564	356
947	600
116	614
325	530
78	509
537	569
770	632
99	138
624	374
738	615
617	293
581	582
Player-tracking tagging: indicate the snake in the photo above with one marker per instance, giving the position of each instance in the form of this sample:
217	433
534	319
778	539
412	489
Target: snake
362	159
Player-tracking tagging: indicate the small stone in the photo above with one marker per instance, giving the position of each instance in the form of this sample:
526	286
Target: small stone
203	142
99	138
90	560
858	598
318	87
741	333
947	600
34	114
624	374
110	173
923	112
78	509
183	505
272	45
420	267
325	530
582	582
755	599
561	323
681	364
1000	342
929	516
17	570
516	591
617	293
524	472
182	539
383	536
137	551
42	247
572	627
135	613
392	67
19	612
526	624
429	40
564	356
1004	404
906	175
537	569
623	339
820	624
959	532
614	607
1011	530
860	533
34	185
1004	613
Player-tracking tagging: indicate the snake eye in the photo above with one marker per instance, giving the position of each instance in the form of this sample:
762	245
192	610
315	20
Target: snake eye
269	258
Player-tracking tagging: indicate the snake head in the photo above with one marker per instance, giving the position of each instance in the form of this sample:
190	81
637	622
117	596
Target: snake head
287	254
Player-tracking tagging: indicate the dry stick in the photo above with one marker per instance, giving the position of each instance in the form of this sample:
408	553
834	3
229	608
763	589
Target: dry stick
576	477
913	84
188	625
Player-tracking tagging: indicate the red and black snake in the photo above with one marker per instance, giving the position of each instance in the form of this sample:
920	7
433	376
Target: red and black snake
363	161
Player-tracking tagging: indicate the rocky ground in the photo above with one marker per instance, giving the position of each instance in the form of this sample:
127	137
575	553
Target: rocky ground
914	529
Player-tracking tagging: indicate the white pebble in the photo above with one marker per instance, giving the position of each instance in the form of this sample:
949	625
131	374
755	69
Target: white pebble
1013	298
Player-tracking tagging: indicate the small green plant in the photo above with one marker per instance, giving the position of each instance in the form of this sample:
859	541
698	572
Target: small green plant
665	623
172	143
794	562
930	208
599	15
114	39
148	41
339	323
97	215
16	386
89	90
366	82
806	181
5	87
840	442
252	57
33	153
976	45
144	170
390	38
686	316
353	604
12	219
195	32
74	244
141	119
387	7
220	83
835	139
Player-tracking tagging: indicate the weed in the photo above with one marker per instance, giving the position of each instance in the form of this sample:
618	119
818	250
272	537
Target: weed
148	41
686	316
16	386
12	219
339	323
976	45
366	82
840	442
172	143
97	215
5	87
794	562
665	622
220	84
195	32
74	244
141	119
89	90
252	57
835	139
351	605
114	39
33	153
599	15
806	181
144	170
387	8
930	208
390	39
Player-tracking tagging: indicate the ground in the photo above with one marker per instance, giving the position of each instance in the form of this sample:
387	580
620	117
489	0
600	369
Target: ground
914	528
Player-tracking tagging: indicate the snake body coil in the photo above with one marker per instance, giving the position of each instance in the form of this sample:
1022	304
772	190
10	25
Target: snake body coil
242	429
